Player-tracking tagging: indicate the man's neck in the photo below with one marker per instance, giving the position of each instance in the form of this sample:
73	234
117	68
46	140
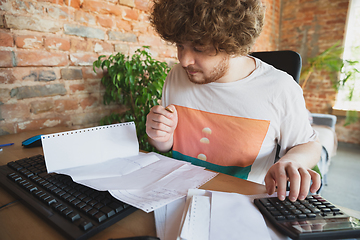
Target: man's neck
240	67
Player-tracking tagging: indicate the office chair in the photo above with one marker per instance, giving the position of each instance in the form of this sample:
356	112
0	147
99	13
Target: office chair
290	62
286	60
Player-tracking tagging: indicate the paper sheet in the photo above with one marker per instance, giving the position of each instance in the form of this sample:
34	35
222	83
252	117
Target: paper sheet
166	190
232	216
108	158
143	177
89	146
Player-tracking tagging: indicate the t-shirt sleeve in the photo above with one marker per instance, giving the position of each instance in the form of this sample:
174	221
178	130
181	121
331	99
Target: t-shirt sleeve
295	127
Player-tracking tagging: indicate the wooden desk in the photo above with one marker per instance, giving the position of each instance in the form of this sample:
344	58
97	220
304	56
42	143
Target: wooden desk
19	222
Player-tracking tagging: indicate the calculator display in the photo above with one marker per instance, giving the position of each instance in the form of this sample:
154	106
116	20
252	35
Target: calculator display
324	225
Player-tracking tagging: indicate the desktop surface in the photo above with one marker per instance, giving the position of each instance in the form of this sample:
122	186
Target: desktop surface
19	222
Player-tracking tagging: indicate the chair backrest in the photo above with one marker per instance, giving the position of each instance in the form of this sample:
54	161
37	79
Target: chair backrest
287	61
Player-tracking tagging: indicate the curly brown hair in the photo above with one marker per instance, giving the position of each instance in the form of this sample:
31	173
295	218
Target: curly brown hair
229	25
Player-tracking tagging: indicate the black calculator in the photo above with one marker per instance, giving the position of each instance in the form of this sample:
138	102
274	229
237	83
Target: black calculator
312	218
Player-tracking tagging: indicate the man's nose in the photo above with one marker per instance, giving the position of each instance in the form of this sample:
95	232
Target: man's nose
186	57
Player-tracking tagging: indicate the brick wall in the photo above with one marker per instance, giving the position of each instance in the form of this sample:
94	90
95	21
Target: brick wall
46	53
310	27
47	48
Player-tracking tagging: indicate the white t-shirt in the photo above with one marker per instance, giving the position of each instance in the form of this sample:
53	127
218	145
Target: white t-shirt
234	128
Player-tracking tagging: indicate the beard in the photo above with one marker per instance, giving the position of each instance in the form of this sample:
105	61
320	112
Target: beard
215	74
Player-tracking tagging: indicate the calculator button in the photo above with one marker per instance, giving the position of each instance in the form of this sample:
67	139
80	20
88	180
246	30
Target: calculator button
265	202
315	210
290	217
291	207
296	211
286	212
271	208
279	218
275	213
301	216
326	210
306	210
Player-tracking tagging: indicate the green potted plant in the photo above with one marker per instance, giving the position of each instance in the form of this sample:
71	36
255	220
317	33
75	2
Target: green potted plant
340	71
135	83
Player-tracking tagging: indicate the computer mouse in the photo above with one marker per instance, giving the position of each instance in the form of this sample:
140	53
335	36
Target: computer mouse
34	141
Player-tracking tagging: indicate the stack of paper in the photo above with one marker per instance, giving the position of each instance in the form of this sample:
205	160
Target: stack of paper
108	158
211	215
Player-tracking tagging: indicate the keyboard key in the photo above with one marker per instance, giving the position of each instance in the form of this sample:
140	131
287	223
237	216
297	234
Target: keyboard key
92	212
100	217
108	211
87	208
118	206
50	201
73	216
67	211
85	225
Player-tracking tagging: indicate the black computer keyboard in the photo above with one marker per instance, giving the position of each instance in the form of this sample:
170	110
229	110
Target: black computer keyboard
312	218
77	211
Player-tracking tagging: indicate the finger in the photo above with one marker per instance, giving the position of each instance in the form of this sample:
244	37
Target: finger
294	178
281	182
316	181
167	111
270	184
158	120
305	183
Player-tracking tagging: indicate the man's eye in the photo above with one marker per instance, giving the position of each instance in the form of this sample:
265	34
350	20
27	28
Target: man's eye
179	46
198	49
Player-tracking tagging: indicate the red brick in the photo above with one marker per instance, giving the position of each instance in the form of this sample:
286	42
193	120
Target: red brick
144	5
6	39
78	87
40	58
88	73
7	76
140	27
93	86
6	58
131	14
88	102
84	17
150	40
61	12
77	45
130	3
101	47
105	21
73	3
102	7
63	105
42	106
56	43
19	111
123	25
29	41
83	59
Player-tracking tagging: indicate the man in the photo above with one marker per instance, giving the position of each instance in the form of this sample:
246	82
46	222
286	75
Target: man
228	111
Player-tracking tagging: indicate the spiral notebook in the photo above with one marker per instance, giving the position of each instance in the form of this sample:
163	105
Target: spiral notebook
108	158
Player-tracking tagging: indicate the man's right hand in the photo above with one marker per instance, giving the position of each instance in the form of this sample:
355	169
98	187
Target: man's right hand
160	127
